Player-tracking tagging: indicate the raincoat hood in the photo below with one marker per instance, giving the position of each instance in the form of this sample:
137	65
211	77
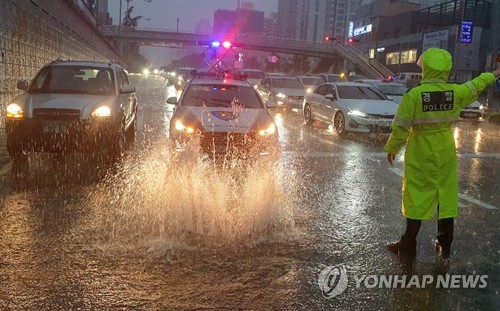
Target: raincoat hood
437	64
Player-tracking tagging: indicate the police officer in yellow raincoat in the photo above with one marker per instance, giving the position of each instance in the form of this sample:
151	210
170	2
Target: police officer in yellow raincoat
424	123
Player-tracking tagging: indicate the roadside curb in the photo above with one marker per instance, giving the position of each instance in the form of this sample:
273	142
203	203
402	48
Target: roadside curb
4	154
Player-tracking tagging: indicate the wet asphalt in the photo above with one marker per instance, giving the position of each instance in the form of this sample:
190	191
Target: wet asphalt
157	233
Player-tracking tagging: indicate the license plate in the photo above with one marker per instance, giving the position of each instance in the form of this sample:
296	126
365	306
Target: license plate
470	115
54	127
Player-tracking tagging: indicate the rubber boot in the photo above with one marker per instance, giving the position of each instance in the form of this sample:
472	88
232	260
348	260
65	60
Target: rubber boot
405	248
445	237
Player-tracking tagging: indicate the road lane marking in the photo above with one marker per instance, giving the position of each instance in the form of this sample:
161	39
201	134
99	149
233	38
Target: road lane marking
462	196
479	155
476	201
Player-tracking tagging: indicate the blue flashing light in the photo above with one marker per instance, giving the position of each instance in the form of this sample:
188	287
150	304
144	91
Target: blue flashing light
215	44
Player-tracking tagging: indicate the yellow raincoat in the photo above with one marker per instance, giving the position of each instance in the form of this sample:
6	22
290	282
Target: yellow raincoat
424	122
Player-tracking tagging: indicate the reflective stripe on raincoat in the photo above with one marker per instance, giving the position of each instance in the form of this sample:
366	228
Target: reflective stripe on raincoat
424	122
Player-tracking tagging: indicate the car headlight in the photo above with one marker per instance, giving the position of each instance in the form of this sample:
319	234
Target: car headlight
100	112
145	72
357	113
270	130
309	90
14	111
179	126
281	95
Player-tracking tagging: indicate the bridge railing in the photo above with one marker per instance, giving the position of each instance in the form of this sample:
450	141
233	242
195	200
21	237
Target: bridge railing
371	68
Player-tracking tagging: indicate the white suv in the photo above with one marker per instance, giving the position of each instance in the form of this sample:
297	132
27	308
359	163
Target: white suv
70	106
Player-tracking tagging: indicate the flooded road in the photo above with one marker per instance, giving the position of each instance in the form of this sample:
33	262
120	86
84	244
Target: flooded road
163	233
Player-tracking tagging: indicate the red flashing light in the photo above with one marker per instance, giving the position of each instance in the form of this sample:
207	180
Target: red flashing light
226	44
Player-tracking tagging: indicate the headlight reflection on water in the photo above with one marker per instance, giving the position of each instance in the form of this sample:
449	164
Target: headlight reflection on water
155	198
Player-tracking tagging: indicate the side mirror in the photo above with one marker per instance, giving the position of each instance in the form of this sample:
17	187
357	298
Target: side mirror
270	104
172	100
128	88
330	97
23	85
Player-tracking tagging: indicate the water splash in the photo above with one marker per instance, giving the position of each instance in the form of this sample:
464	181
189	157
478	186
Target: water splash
182	198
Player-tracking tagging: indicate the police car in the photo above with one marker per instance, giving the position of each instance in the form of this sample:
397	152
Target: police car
226	116
474	111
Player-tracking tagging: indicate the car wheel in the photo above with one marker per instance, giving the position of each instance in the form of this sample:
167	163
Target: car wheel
131	134
308	114
339	123
117	147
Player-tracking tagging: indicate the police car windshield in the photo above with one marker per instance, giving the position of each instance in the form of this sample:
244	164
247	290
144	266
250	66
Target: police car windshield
74	80
360	92
392	89
221	95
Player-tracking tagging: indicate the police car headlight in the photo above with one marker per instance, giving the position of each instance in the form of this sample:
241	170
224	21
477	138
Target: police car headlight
102	111
357	113
179	126
270	130
281	95
14	111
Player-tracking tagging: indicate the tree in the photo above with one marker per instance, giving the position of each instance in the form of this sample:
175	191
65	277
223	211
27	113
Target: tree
129	21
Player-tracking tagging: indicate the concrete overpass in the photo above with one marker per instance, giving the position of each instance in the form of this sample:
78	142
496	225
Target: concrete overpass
370	67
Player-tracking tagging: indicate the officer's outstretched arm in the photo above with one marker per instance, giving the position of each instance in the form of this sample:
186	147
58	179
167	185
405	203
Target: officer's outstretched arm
402	124
470	90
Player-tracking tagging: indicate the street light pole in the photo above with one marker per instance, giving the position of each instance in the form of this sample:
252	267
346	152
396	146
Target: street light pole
120	20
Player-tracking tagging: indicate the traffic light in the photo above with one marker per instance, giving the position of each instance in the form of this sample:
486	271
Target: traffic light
352	40
328	38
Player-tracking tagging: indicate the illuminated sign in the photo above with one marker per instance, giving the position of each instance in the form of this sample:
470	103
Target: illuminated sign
372	53
466	32
350	34
362	30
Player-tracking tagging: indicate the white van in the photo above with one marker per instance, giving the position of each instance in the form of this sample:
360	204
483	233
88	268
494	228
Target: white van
409	78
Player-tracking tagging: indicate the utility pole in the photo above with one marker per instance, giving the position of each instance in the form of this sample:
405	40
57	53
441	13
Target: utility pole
120	28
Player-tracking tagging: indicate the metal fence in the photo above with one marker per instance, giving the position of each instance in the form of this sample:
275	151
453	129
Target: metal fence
30	38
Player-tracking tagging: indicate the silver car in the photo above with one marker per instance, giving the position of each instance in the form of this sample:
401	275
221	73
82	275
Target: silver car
283	91
350	107
393	90
71	106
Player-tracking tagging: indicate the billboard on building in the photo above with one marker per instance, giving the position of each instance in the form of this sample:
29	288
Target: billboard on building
466	32
435	39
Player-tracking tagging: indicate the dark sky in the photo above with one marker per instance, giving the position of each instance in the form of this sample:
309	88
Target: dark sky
164	13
